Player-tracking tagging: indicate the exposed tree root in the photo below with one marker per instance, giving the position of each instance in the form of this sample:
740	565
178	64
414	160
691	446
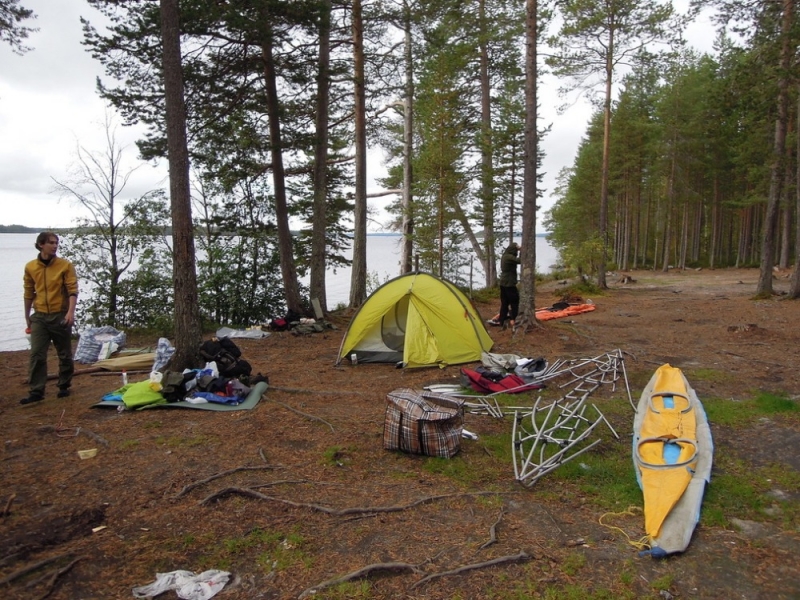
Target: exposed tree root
401	567
53	578
513	558
493	531
339	512
30	569
302	414
187	488
358	574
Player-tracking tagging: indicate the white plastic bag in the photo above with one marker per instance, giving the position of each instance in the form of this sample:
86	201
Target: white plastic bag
187	585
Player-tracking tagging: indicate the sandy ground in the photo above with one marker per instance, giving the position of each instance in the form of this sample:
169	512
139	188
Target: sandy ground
154	497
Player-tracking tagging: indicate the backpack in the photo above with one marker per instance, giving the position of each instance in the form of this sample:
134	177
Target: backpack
227	356
508	384
279	324
173	385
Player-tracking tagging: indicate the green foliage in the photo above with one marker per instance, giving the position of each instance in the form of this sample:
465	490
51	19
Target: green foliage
486	295
581	288
122	270
374	281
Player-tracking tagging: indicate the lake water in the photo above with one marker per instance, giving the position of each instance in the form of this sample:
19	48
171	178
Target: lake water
383	261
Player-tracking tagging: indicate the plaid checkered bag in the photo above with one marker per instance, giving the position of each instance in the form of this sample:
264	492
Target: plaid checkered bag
422	422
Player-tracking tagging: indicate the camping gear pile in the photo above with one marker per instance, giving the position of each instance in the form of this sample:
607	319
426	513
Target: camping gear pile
225	379
672	454
548	434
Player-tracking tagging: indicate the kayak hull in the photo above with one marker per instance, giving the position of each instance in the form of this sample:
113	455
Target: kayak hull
672	454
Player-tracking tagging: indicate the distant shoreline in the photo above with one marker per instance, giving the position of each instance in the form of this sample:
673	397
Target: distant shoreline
63	230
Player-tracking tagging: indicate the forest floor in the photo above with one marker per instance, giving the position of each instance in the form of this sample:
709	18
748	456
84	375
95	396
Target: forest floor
261	493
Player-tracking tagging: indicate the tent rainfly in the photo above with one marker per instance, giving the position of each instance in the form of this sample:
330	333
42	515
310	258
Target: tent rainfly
418	320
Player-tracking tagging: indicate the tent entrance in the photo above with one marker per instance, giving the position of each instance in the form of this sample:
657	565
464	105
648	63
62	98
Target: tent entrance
393	325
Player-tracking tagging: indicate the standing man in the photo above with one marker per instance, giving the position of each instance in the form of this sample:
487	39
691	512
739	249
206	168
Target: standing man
51	289
509	294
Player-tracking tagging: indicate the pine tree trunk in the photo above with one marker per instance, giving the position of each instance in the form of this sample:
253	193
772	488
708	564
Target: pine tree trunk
187	312
487	178
527	307
288	268
358	276
794	284
764	287
406	265
319	216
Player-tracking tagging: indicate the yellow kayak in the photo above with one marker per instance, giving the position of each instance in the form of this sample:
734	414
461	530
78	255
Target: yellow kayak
672	453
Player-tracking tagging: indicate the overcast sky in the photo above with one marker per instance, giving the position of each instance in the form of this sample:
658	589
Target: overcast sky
49	106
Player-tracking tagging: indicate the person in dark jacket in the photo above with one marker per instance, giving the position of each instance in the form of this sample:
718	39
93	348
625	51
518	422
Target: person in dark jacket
509	294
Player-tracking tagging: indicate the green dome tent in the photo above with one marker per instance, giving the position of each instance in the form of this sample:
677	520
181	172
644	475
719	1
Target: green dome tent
419	320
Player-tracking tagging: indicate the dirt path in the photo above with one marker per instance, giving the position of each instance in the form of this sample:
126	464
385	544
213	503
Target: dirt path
280	544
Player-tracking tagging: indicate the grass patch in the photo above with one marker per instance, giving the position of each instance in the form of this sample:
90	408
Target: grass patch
336	456
740	413
605	474
273	550
356	590
454	468
129	444
771	404
573	563
707	375
184	442
739	490
662	583
499	446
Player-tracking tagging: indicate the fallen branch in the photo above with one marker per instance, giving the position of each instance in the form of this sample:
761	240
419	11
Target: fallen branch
301	413
7	509
358	574
521	557
118	373
339	512
187	488
52	376
493	531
